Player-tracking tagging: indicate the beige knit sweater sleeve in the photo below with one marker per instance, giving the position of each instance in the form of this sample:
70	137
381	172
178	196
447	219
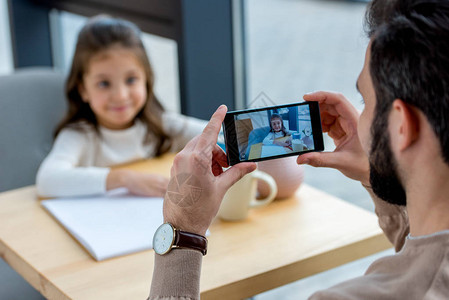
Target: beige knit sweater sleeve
176	276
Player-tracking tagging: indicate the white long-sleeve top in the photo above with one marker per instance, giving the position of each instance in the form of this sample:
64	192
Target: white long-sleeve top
79	161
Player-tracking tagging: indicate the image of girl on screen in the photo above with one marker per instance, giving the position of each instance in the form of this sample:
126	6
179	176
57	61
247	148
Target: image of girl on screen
278	134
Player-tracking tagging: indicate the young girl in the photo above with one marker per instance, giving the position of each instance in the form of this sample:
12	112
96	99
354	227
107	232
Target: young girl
277	130
113	117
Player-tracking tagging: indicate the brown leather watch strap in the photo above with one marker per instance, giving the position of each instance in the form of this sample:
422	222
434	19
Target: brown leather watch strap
190	240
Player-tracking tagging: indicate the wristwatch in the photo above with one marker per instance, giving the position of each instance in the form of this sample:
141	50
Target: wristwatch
168	237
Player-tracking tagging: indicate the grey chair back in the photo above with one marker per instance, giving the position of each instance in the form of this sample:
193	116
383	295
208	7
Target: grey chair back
32	102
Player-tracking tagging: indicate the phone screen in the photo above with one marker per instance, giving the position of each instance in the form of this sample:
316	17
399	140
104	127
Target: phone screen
272	132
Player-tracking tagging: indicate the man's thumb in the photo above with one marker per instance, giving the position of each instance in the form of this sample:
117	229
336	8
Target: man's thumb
318	159
235	173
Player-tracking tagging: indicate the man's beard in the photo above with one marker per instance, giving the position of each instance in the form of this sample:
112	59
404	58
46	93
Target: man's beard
384	178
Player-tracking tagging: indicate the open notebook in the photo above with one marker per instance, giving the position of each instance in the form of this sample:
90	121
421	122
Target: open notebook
110	225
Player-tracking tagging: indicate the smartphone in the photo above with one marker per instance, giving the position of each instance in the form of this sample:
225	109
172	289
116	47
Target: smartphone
272	132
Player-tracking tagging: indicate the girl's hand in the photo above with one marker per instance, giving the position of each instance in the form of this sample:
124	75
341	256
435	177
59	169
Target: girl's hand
137	183
339	119
284	143
145	184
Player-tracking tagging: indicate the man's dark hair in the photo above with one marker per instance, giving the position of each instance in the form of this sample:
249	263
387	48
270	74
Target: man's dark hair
410	60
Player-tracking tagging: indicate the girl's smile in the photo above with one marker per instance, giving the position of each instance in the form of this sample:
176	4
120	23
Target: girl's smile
120	108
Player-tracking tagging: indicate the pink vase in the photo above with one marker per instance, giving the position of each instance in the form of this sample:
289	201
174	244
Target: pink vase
287	174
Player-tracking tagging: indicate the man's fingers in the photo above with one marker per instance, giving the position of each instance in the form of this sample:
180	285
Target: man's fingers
325	128
325	97
320	160
210	133
191	144
219	156
336	131
235	173
329	109
334	103
216	168
327	119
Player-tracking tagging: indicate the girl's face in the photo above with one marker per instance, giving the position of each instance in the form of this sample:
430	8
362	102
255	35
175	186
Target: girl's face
115	87
276	124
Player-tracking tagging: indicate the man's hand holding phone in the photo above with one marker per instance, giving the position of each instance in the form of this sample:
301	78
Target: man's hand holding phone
197	180
339	119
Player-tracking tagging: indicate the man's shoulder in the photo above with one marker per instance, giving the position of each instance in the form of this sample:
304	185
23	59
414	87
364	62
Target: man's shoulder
408	274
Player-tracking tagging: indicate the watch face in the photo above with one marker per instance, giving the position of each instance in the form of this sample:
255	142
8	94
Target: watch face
163	238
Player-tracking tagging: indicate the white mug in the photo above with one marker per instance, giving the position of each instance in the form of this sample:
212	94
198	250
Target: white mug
297	145
242	196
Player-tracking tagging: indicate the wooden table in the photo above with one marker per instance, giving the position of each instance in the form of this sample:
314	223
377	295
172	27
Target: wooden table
278	244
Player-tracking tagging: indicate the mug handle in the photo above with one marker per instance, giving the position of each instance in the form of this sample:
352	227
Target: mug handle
271	183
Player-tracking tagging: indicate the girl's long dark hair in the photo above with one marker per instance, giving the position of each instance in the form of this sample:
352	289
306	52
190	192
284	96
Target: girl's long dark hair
99	34
278	116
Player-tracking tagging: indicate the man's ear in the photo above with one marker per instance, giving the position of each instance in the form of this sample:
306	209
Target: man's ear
405	124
